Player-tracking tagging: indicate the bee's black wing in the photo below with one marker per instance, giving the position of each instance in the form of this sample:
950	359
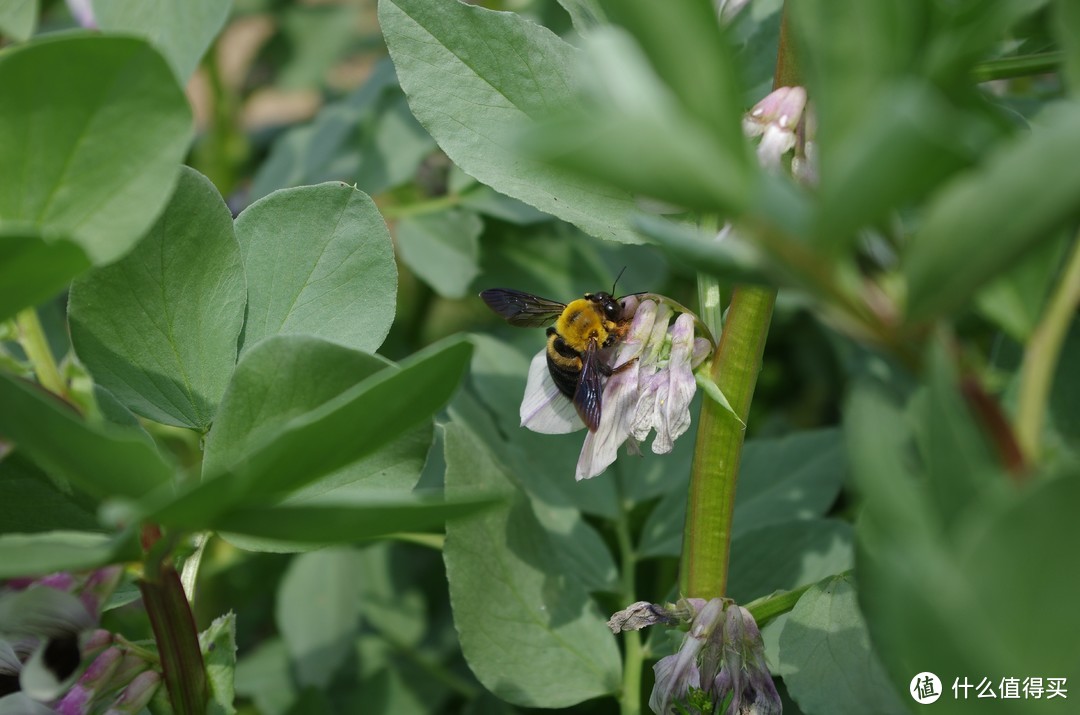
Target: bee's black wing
589	388
524	310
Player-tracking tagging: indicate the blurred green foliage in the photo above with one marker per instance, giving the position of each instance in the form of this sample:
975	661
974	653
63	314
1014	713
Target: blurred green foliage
294	379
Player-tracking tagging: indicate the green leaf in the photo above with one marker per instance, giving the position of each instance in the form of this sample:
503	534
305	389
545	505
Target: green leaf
158	328
51	551
218	645
908	141
961	469
99	459
794	477
319	261
278	380
1068	16
34	269
528	630
443	249
30	502
369	135
181	30
786	556
1020	197
683	162
17	19
474	78
346	519
1014	300
333	435
263	675
681	34
95	127
283	377
318	611
826	658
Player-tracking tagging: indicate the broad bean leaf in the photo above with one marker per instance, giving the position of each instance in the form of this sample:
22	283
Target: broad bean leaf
318	611
1020	197
218	645
102	460
95	129
283	377
934	599
34	269
181	30
1014	300
780	479
30	502
684	162
18	18
527	629
62	550
319	261
826	658
263	674
789	555
345	519
686	33
475	78
1068	17
322	440
158	328
442	249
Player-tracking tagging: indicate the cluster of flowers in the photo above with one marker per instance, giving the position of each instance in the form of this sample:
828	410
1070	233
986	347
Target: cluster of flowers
651	388
54	659
720	666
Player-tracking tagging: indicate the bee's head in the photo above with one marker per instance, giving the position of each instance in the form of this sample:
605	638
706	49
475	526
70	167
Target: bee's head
607	304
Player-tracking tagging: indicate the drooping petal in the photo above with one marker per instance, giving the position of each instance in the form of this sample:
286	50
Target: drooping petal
544	408
620	397
602	446
137	694
675	675
673	418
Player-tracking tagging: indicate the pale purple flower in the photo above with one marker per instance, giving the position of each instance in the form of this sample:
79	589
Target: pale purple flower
83	13
721	659
775	119
52	659
678	675
137	694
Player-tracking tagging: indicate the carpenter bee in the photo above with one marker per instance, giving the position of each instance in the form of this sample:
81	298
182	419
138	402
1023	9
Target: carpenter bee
582	331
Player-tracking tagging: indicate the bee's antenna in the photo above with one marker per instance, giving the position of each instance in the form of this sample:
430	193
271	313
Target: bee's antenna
617	280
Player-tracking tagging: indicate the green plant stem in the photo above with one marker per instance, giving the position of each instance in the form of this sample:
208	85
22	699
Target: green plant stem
418	208
767	608
711	498
33	342
432	541
1041	356
634	654
1022	66
177	640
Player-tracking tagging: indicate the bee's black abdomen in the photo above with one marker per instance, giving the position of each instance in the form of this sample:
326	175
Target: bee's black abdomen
564	364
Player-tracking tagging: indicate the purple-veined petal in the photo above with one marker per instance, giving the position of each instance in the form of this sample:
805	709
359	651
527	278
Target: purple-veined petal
601	447
681	386
544	408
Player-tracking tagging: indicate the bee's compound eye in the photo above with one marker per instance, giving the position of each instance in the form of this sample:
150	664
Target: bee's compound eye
612	310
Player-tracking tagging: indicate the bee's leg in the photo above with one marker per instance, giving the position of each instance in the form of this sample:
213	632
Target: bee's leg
608	371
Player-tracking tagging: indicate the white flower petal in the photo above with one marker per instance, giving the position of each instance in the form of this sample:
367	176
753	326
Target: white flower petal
601	447
681	384
544	408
